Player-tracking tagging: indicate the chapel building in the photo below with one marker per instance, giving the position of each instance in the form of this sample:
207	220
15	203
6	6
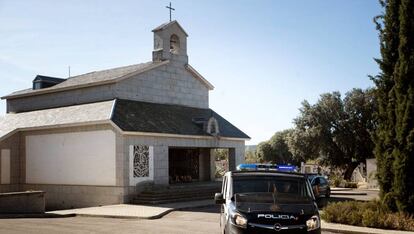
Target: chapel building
96	138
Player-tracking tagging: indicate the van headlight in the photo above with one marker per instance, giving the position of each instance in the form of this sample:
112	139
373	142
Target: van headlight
313	223
239	220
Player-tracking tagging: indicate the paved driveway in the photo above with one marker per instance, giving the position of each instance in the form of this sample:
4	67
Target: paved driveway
203	220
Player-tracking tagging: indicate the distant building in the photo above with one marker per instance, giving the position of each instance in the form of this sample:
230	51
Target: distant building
309	168
92	139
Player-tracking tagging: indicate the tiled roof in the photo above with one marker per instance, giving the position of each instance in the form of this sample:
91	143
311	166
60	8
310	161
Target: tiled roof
138	116
86	113
91	78
130	116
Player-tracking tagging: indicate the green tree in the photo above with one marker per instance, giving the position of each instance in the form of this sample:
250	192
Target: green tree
264	151
276	149
384	138
335	131
395	93
250	157
221	154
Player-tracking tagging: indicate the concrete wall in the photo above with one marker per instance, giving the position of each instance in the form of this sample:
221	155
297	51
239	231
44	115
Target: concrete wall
12	145
66	196
79	158
76	196
22	202
5	166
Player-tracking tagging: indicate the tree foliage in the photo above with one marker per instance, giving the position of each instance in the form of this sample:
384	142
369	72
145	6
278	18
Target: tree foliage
276	149
334	130
394	138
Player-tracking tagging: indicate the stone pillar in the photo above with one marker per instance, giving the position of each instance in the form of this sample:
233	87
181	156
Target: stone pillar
236	157
240	155
161	165
212	165
204	164
232	159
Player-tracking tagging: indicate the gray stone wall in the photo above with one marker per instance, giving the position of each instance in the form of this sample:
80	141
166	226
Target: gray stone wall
76	196
170	84
22	202
64	98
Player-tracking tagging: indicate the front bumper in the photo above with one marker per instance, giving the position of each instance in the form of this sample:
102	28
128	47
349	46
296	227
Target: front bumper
265	228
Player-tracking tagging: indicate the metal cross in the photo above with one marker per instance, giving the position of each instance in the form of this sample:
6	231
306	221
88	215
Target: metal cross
171	9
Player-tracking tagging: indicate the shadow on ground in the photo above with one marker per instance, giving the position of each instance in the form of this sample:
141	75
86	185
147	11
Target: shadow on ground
209	209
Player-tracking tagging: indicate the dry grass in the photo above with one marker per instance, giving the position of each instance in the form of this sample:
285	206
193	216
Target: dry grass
367	214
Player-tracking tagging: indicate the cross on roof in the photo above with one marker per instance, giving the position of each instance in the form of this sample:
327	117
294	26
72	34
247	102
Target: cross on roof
171	9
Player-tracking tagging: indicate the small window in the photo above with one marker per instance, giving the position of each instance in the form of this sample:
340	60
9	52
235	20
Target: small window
174	44
213	127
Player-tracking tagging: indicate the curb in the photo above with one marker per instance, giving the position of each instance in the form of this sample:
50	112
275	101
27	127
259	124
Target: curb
35	216
348	194
343	231
351	229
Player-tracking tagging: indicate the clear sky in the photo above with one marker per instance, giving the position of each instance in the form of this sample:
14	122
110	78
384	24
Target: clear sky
264	57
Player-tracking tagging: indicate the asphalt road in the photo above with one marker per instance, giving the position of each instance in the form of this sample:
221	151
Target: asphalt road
202	220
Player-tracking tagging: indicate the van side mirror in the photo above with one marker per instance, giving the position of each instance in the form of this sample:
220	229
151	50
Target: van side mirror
218	197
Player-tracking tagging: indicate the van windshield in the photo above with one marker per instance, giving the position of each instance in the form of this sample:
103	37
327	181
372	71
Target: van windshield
279	189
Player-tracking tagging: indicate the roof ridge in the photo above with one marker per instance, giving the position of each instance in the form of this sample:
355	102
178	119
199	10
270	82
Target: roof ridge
108	69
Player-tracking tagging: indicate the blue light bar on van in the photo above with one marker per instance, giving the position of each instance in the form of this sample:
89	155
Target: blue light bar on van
270	167
286	168
246	167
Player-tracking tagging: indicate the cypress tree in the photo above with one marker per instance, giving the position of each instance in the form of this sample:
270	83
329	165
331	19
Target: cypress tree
403	153
388	26
395	96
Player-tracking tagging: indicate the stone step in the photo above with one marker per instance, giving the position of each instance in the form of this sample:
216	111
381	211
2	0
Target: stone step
172	192
177	193
174	196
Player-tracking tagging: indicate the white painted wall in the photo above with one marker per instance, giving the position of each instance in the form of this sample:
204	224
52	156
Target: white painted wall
81	158
5	166
135	180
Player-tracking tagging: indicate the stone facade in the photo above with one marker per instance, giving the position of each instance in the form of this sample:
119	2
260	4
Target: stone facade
170	84
63	98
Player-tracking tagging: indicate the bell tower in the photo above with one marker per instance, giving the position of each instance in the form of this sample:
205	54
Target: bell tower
170	43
